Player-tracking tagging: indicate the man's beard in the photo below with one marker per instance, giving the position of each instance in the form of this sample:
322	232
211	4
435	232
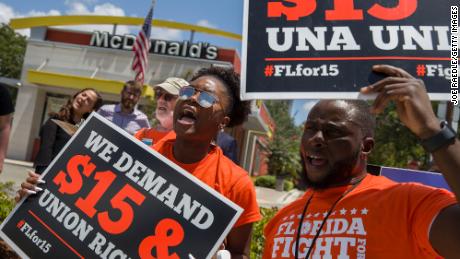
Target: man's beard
127	104
339	174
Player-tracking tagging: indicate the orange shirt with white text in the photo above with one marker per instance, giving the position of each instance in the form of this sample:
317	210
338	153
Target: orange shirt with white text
378	219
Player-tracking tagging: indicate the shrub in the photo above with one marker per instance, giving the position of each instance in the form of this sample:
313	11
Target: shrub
267	181
6	200
258	240
288	185
6	205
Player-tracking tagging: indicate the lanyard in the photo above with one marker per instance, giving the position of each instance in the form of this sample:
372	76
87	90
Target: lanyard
322	223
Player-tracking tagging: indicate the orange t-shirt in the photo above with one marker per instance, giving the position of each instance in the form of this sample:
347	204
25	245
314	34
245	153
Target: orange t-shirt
150	136
221	174
378	219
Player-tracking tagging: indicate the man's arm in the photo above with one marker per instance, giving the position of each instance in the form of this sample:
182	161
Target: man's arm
414	110
445	230
5	127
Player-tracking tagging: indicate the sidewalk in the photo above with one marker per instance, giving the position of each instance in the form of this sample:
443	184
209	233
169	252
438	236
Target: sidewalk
268	198
15	171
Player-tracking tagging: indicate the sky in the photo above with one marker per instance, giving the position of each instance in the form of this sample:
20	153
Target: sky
226	15
223	14
300	110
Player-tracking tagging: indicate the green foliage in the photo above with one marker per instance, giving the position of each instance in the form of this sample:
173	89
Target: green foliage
7	202
12	50
288	185
279	111
395	144
283	160
268	181
258	240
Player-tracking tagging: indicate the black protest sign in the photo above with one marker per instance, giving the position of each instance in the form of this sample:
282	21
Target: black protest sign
108	196
325	49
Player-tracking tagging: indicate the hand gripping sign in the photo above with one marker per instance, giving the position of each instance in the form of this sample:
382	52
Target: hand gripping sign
303	49
109	196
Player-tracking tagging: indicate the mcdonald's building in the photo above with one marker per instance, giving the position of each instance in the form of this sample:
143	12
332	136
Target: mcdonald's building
59	61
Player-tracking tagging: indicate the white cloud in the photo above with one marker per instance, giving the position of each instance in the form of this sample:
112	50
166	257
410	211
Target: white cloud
80	8
108	9
77	8
6	13
206	23
89	7
302	109
38	13
73	8
166	34
308	105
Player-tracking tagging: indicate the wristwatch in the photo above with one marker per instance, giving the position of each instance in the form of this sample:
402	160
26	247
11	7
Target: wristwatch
440	139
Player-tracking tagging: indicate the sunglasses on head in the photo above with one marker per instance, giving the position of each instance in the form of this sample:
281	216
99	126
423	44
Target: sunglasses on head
167	96
204	99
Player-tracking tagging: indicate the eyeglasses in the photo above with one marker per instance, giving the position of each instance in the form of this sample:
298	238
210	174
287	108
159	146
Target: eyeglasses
167	96
204	99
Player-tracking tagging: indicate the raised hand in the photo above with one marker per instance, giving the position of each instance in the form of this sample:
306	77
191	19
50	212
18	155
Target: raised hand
409	94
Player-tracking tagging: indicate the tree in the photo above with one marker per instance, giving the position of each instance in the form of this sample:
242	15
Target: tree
283	160
279	111
12	50
395	144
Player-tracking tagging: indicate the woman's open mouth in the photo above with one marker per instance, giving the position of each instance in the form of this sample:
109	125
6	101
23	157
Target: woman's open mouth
187	117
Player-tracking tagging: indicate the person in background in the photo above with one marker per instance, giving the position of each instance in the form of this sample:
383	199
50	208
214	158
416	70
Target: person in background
228	145
52	137
348	213
125	114
166	95
6	111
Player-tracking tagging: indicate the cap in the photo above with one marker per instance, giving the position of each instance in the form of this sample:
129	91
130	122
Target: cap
172	85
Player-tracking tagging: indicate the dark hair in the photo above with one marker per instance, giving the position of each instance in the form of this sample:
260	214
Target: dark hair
238	110
66	111
361	112
136	85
